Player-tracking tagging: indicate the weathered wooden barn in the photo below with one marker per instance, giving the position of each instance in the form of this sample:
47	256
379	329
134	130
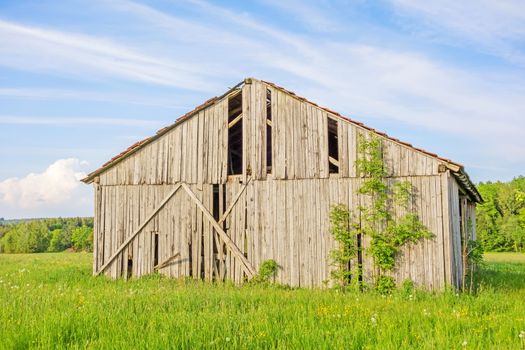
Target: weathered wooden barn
251	175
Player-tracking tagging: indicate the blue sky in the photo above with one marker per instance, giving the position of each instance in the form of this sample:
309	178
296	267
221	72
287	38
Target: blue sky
82	80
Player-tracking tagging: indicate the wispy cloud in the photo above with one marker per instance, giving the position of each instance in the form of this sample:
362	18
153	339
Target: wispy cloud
494	26
313	16
24	120
61	94
33	48
356	78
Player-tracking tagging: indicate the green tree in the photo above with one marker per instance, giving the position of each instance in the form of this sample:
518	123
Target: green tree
82	238
501	218
59	241
34	236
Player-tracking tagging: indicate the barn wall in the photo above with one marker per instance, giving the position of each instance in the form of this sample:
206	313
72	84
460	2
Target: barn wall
295	231
282	215
180	228
274	219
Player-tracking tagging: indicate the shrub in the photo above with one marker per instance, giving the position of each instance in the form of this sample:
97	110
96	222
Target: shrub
267	271
343	232
385	284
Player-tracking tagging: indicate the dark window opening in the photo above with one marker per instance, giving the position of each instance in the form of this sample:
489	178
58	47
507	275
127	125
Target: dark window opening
190	259
333	147
130	268
216	212
219	252
156	248
216	204
268	132
235	135
359	269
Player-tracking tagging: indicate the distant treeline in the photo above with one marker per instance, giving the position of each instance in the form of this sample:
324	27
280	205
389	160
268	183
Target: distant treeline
501	219
46	235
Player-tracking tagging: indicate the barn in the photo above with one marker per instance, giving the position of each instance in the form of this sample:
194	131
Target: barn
251	175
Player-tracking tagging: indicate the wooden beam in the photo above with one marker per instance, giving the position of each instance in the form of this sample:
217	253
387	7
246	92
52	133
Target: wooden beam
230	208
247	266
235	121
333	161
137	231
165	262
235	110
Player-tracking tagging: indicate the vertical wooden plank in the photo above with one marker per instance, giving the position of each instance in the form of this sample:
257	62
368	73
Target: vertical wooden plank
207	233
201	143
205	167
308	140
218	243
439	268
314	132
246	131
300	138
96	226
245	223
342	133
260	100
107	224
430	243
322	229
290	139
177	154
447	250
278	147
352	145
217	140
284	233
323	143
224	127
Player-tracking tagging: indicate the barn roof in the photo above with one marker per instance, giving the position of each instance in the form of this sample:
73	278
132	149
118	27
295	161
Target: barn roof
457	168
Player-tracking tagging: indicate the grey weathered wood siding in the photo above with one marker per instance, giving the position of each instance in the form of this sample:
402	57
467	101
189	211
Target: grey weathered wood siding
282	215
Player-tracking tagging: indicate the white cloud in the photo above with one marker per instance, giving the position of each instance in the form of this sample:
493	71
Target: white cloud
56	185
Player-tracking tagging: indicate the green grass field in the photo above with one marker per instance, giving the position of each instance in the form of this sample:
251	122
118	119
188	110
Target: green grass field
52	301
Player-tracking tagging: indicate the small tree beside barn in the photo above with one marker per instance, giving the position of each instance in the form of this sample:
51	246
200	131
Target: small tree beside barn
251	176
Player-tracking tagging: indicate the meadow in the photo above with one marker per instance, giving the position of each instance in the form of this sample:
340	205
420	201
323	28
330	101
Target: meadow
51	300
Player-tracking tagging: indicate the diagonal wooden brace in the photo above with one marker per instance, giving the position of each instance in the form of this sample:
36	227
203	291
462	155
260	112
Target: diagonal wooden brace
234	202
165	262
247	266
137	231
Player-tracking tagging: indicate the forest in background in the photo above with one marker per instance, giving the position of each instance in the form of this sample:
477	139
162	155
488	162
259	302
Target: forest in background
46	235
501	218
500	225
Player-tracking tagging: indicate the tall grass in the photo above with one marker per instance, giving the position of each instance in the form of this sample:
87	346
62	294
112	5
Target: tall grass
52	301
